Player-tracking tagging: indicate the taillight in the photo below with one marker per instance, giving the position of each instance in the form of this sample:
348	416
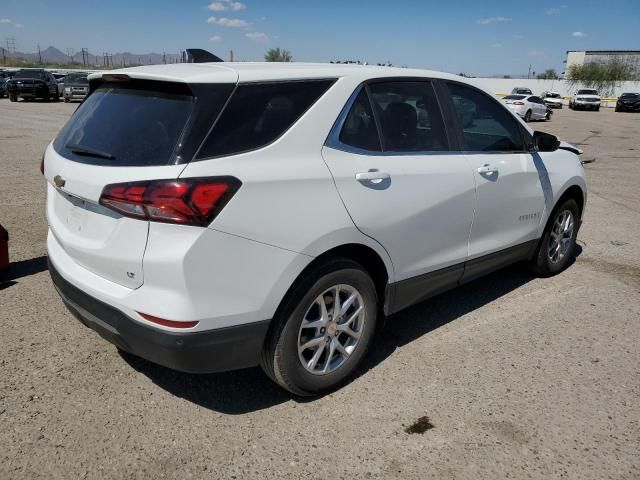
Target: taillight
189	201
518	103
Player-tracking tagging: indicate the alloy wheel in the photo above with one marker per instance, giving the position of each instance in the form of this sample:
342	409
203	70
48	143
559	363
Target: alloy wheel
560	236
330	330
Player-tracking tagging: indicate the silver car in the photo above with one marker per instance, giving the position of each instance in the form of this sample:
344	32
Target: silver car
76	86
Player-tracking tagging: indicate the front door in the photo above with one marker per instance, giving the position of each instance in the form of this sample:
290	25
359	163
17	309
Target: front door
510	199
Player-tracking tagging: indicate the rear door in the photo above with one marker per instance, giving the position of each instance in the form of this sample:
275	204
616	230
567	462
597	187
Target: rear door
539	106
404	187
510	198
126	130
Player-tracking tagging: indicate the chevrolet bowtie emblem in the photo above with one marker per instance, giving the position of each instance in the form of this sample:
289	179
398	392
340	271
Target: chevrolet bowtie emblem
59	181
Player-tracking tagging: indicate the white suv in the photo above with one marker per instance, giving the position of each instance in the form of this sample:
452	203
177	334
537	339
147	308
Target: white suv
209	217
586	98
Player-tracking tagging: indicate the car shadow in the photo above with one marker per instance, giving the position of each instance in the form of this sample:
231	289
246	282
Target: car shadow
22	269
250	390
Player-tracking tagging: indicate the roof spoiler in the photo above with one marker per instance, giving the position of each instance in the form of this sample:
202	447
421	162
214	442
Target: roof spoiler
198	55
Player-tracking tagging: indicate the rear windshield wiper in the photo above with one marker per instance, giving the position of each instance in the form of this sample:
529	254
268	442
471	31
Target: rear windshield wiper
90	152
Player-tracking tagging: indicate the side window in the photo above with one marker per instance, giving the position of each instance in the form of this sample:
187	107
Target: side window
486	125
359	129
535	100
409	116
257	114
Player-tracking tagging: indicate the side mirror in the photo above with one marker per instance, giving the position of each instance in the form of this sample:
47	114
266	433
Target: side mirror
545	142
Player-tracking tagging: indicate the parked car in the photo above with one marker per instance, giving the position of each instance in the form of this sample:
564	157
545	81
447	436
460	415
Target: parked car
552	99
522	91
585	99
30	84
628	102
529	107
211	217
76	86
5	76
60	78
3	87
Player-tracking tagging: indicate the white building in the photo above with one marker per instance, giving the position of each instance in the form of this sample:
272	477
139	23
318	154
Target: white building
631	57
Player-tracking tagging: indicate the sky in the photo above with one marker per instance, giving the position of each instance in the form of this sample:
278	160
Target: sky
477	37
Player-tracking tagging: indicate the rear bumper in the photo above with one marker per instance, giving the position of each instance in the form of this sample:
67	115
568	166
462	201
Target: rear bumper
208	351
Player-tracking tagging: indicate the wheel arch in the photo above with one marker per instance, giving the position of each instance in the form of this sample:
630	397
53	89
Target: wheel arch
371	260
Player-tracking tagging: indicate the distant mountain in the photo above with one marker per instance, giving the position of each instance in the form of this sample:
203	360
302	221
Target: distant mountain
54	55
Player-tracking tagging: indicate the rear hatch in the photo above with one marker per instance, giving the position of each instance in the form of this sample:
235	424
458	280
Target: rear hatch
126	130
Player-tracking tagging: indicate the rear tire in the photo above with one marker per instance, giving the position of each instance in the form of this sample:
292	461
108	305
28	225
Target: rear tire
558	242
527	116
13	98
333	354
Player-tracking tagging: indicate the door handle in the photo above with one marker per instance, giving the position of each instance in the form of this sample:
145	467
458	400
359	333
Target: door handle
372	176
487	169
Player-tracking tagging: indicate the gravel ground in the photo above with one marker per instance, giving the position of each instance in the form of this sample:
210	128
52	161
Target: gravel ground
520	377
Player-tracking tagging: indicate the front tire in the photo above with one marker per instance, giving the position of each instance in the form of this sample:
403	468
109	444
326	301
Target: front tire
13	98
558	241
315	343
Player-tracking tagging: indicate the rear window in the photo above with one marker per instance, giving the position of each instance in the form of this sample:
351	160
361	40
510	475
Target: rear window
258	114
77	79
514	97
122	126
587	92
38	74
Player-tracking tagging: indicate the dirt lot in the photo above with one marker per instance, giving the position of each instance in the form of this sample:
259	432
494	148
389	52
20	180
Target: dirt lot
520	377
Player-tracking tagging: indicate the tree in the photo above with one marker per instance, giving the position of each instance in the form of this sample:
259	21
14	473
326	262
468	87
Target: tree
278	55
601	76
549	74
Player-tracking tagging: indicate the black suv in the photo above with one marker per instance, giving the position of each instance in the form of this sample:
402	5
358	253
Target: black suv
628	102
31	84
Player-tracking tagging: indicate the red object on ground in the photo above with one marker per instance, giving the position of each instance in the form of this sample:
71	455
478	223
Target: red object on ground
4	249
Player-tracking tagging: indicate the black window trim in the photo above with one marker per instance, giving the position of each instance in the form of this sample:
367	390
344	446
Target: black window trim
333	139
198	158
525	136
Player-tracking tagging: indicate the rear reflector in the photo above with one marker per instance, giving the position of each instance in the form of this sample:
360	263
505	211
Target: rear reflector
189	201
167	323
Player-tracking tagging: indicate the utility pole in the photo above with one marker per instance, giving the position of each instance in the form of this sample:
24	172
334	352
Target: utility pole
164	57
231	55
85	56
11	44
4	59
529	73
39	55
70	55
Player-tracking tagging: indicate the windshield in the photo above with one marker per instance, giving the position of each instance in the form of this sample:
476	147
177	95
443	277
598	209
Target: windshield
514	97
129	127
587	92
39	74
76	79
